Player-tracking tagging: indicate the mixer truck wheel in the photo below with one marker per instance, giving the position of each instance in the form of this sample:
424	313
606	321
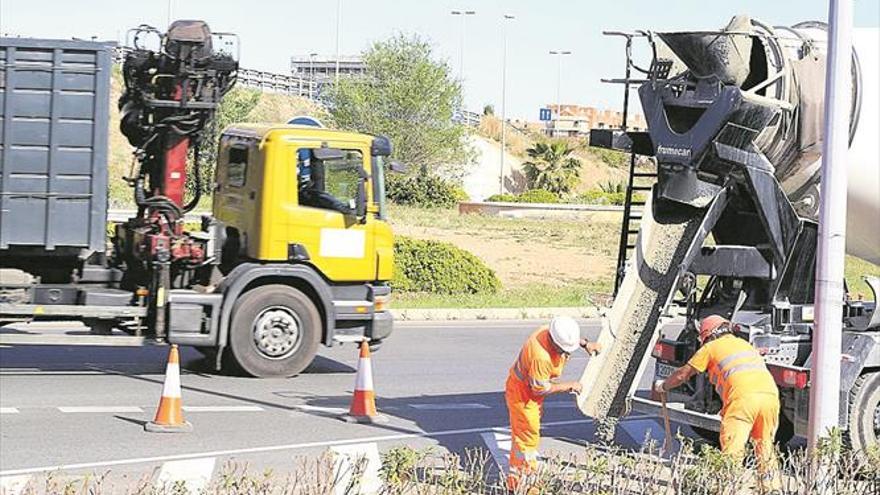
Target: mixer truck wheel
864	412
275	331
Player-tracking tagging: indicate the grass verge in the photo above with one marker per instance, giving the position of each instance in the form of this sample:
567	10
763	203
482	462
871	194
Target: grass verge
532	296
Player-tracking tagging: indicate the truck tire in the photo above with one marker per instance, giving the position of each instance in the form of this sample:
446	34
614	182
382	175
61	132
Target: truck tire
864	412
275	331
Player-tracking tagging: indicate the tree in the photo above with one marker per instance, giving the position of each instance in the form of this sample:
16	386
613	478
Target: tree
552	167
410	97
488	109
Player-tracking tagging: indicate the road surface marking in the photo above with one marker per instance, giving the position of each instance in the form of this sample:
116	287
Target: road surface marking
223	408
8	410
100	409
276	448
448	406
194	474
345	462
320	410
499	446
13	485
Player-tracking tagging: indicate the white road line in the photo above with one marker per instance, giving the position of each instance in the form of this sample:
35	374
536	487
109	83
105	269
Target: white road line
449	406
100	409
195	474
275	448
223	408
13	485
9	410
498	444
318	409
346	457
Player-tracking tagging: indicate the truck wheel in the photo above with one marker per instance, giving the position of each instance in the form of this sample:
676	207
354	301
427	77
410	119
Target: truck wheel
275	331
864	412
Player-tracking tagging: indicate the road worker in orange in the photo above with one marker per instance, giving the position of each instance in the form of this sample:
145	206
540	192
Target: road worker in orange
748	393
530	380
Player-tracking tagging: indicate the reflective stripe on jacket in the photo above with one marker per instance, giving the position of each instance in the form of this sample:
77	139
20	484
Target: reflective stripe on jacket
735	368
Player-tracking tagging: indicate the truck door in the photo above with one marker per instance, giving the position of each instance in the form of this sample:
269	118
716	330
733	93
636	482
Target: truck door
324	220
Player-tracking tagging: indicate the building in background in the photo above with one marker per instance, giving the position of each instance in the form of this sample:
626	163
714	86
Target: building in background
321	69
576	121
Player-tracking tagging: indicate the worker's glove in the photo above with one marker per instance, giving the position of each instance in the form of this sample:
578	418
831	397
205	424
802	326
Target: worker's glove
658	386
592	348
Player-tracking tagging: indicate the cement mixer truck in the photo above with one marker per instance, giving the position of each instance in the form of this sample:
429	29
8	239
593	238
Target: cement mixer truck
735	126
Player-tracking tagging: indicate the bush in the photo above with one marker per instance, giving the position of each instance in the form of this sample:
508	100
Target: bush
599	197
502	198
538	196
423	190
441	268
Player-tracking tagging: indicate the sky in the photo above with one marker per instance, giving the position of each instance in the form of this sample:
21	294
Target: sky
273	30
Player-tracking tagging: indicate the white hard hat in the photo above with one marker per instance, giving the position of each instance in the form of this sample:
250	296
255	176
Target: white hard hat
566	333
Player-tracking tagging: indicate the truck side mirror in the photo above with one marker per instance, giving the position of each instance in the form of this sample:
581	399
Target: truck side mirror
361	206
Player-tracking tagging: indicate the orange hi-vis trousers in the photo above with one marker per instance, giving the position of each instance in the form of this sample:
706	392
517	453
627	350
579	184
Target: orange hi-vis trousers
525	429
756	417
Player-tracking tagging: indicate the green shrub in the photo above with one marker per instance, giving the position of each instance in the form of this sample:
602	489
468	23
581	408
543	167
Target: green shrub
502	198
423	190
460	194
599	197
439	267
538	196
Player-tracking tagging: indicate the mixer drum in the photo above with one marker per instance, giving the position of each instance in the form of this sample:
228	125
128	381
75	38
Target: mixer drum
778	67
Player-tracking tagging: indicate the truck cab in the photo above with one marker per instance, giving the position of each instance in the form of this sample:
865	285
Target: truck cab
307	250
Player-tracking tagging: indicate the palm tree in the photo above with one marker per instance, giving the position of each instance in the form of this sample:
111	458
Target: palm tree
552	167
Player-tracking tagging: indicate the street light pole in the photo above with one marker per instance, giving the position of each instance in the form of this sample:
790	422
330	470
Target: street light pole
463	14
338	35
507	17
559	54
825	372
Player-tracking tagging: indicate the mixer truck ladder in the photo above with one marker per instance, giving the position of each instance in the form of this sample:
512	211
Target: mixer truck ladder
638	186
639	183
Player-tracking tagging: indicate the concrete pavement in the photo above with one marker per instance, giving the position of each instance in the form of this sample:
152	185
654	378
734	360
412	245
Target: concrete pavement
441	384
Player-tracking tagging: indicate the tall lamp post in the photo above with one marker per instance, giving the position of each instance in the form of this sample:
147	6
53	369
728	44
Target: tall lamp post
825	373
559	54
504	21
464	15
338	35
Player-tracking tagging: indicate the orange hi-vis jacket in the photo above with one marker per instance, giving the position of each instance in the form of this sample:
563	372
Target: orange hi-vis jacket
735	368
538	362
528	382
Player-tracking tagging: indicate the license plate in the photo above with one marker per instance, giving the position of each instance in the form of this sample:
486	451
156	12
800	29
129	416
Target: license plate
664	370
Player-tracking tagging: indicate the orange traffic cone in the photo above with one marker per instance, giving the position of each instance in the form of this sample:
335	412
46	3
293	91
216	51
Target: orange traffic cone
169	415
363	404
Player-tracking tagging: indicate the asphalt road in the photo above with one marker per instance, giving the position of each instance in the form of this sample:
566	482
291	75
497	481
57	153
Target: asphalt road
81	409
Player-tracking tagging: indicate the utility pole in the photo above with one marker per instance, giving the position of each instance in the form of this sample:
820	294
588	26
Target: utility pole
463	14
338	36
169	13
507	17
825	372
559	54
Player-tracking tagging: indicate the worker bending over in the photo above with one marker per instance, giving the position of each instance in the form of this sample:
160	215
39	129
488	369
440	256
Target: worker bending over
749	395
530	380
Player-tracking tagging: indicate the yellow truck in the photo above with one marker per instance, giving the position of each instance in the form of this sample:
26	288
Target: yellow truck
297	251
